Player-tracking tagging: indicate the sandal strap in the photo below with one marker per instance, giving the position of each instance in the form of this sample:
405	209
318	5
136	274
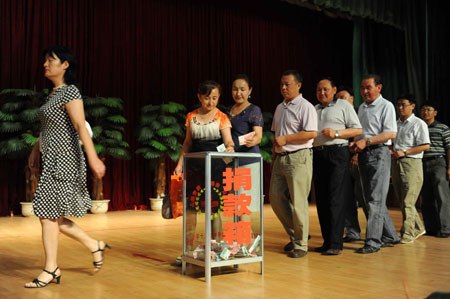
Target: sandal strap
51	273
98	264
39	283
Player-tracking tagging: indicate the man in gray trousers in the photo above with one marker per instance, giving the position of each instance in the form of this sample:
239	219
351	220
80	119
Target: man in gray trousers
377	117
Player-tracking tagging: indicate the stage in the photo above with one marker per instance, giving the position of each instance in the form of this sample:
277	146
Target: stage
142	264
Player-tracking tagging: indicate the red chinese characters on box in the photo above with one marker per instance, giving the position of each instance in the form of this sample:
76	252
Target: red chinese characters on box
237	204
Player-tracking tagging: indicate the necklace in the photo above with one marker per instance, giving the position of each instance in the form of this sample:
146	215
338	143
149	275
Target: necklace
59	86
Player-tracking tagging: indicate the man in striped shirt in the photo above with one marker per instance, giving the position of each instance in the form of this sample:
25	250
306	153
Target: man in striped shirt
436	171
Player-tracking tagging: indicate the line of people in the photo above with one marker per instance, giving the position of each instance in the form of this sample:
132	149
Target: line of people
336	146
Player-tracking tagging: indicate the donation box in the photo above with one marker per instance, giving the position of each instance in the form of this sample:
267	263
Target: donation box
222	210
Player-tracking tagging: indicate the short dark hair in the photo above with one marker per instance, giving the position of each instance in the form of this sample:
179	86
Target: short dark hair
207	86
410	97
430	104
295	73
329	79
64	54
346	88
243	77
376	78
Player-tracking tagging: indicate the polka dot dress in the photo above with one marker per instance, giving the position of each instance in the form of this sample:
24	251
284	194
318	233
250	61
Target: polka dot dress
62	189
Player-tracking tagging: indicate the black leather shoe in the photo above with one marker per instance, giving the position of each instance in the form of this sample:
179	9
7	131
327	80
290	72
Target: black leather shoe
442	235
348	239
322	248
289	247
297	253
367	249
332	252
389	244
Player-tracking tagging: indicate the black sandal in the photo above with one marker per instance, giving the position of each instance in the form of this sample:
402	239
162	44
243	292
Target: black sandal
98	265
40	284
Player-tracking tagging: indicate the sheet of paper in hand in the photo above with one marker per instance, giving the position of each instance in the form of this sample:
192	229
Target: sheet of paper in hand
244	138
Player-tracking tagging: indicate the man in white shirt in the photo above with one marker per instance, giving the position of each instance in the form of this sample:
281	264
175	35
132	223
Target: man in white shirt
407	174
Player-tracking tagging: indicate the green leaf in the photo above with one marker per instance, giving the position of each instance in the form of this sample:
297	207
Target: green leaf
29	139
99	148
114	134
13	146
118	119
165	132
155	125
145	134
112	103
96	131
7	116
97	112
148	119
19	92
149	109
148	153
118	153
13	106
158	145
174	155
266	156
30	115
168	120
88	101
172	107
170	140
10	127
124	144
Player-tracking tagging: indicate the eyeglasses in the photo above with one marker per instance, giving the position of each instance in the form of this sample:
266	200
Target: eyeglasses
427	109
403	105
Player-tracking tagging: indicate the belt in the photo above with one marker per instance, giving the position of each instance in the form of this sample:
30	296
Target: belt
322	147
432	158
372	147
288	153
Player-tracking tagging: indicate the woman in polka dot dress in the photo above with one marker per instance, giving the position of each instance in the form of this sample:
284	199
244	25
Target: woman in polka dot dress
62	189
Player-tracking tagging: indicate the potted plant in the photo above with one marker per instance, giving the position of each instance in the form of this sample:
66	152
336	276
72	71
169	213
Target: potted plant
19	132
105	117
160	135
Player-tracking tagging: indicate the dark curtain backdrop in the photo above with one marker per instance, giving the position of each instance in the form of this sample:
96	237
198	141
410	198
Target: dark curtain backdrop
152	51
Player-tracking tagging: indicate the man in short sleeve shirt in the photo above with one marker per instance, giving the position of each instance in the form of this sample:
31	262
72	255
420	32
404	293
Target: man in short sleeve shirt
337	122
377	117
295	127
407	175
436	170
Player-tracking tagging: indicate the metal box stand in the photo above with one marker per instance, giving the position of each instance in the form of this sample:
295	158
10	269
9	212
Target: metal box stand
222	210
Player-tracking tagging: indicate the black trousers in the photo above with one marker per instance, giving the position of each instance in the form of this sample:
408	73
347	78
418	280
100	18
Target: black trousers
332	185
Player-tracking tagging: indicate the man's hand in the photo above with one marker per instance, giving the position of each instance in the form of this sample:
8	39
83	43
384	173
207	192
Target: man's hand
398	154
358	146
328	132
354	161
280	141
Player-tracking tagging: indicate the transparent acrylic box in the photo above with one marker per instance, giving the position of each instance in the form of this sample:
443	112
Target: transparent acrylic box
232	185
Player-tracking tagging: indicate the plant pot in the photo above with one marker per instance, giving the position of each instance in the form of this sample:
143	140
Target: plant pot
27	209
99	206
156	204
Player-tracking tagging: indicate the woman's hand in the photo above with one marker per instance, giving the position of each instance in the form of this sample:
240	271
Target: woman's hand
34	158
98	167
178	170
229	149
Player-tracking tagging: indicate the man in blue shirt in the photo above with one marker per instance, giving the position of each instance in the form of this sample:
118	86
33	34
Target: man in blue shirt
377	117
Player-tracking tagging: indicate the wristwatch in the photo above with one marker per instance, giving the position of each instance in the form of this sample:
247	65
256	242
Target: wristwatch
336	135
369	142
404	152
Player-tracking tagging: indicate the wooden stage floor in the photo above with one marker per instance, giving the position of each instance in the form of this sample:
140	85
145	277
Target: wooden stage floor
141	264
